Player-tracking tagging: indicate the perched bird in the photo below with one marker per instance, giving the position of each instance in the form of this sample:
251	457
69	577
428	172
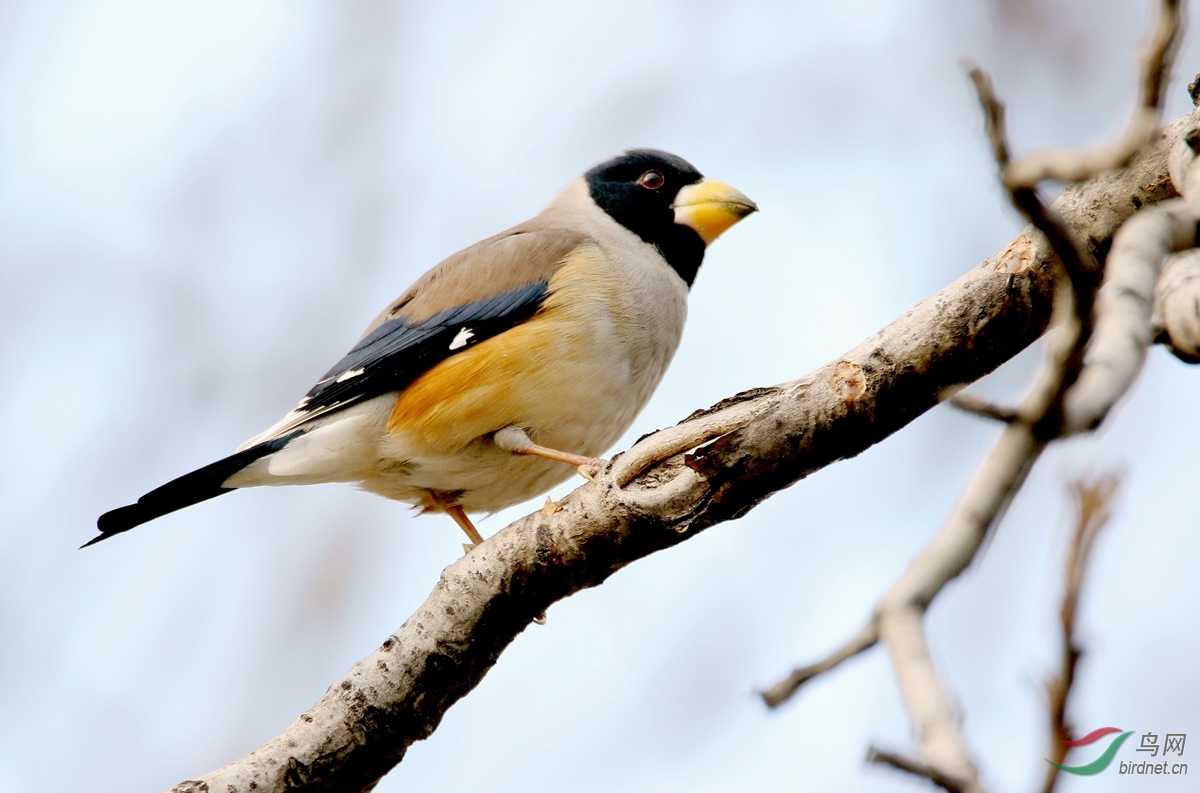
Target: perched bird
506	366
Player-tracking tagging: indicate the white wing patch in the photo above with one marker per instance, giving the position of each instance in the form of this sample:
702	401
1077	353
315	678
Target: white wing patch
461	339
346	375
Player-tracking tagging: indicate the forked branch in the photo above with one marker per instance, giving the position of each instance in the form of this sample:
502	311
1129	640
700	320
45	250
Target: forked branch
1070	395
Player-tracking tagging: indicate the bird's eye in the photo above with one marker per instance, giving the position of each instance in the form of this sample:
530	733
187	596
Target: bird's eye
652	180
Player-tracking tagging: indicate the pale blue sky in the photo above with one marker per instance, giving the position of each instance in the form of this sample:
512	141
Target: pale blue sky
203	204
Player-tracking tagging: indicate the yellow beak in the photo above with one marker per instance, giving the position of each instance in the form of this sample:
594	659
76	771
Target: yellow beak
710	208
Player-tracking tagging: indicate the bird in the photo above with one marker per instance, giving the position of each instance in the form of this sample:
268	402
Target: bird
508	366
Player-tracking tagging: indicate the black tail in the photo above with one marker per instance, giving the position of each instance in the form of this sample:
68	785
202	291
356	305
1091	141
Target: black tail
200	485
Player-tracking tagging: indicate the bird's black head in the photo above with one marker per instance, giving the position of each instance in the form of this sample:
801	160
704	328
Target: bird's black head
668	203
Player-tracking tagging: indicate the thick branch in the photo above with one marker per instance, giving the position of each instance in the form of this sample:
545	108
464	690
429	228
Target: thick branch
752	445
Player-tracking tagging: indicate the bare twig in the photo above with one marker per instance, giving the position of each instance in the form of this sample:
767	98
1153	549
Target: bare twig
934	775
1081	269
783	690
969	403
1076	259
1093	501
1066	165
1017	258
900	612
899	615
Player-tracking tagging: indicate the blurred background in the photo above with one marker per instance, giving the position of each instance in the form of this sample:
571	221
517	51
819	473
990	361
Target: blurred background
203	204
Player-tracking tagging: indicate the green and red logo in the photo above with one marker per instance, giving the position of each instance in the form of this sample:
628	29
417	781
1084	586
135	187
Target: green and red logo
1101	762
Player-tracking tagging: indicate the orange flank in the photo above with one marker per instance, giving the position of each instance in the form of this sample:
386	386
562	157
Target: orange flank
528	376
461	398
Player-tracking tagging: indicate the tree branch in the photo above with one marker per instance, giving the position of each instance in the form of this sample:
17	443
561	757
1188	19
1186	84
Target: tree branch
1125	325
733	456
933	774
1069	165
1093	502
969	403
1122	319
779	693
1177	306
1123	331
1072	210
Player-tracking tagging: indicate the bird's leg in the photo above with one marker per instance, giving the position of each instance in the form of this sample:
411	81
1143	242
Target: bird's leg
514	439
460	517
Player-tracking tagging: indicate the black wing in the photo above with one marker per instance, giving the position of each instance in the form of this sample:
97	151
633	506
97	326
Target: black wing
388	359
396	353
